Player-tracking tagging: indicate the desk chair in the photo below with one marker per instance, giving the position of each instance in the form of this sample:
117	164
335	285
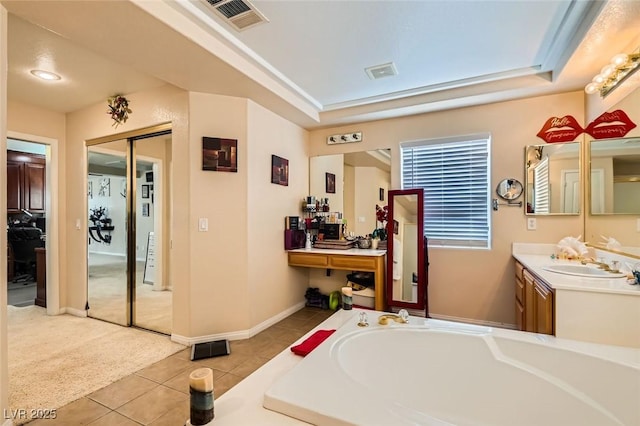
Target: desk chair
23	241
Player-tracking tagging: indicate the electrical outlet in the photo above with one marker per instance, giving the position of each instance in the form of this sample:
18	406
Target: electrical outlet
531	224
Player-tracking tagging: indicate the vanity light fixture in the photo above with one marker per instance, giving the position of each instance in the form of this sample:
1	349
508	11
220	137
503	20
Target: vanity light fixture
45	75
345	138
619	69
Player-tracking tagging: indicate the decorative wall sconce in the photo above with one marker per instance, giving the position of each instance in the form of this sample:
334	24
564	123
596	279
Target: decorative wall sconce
611	75
346	138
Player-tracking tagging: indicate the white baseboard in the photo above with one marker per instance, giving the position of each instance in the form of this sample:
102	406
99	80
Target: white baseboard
238	335
473	321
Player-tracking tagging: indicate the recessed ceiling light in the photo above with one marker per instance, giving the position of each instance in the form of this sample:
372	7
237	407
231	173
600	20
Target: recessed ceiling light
45	75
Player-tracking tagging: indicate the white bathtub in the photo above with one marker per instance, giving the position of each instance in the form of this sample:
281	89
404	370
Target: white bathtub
439	373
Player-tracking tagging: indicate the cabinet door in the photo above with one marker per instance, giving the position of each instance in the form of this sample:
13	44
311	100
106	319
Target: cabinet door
529	309
543	308
520	316
34	187
15	178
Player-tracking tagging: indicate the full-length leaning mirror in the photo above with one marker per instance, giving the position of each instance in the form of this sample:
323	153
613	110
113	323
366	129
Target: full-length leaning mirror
406	250
553	179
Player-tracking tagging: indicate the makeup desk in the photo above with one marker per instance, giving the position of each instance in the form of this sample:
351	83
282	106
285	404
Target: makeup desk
354	259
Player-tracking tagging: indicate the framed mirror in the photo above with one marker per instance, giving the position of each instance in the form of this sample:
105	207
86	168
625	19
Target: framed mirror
407	274
614	179
552	184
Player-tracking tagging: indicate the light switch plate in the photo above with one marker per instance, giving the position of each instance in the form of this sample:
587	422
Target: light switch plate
531	224
203	224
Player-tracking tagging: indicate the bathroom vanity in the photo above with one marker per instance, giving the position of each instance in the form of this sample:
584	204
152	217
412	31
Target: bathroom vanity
591	309
351	260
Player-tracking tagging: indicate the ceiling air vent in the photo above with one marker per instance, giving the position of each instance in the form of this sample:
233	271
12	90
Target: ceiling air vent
378	71
240	14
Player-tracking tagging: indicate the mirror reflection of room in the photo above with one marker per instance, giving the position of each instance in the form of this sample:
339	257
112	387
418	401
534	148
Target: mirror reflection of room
615	176
405	251
553	178
359	176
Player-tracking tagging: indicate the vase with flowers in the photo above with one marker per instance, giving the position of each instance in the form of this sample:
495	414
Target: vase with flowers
380	233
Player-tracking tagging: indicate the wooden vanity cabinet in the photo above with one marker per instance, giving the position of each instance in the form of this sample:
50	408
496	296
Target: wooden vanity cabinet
25	182
534	303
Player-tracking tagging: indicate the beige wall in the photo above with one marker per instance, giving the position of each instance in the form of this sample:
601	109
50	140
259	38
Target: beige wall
218	262
272	285
473	284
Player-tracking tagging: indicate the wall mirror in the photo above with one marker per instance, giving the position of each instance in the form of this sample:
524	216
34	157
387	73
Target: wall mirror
509	189
362	180
614	166
623	227
553	179
407	274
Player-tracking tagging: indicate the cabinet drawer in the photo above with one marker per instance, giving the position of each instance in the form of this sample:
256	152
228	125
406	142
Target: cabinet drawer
520	291
519	269
353	262
306	259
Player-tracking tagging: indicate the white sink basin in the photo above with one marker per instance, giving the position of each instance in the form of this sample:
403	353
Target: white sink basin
582	271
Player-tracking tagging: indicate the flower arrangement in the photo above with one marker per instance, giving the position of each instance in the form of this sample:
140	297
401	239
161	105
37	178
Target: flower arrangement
382	215
118	109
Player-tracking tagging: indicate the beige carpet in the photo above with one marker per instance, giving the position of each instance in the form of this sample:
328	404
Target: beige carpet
54	360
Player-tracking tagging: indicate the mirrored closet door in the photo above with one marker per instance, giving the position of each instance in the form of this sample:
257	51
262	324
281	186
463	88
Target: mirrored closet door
128	200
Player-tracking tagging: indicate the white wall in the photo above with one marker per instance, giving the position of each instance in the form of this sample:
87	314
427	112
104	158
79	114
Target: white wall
116	209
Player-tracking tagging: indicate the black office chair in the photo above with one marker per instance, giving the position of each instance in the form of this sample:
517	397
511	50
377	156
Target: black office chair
24	240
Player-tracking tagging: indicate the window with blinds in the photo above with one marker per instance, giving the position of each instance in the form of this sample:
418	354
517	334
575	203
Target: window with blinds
454	174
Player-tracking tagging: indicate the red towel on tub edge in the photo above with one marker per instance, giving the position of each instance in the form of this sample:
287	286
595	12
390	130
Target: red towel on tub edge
311	342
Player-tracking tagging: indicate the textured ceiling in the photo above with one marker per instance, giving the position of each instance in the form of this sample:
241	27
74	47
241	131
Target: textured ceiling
307	63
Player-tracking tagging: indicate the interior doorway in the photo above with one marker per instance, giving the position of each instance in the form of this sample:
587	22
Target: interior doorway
26	222
127	259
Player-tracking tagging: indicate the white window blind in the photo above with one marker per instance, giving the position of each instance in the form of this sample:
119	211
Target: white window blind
454	174
541	186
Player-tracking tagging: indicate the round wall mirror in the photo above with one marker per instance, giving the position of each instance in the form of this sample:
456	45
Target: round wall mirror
509	189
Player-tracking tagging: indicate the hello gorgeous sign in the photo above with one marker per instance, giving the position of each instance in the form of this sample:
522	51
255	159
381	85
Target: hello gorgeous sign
614	124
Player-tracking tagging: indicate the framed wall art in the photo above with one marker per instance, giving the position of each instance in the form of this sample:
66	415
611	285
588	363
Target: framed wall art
330	183
279	170
219	155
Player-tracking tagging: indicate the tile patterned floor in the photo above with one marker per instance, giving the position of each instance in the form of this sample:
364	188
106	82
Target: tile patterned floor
159	394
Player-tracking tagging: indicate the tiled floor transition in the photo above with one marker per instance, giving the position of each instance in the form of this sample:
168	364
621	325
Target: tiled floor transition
159	394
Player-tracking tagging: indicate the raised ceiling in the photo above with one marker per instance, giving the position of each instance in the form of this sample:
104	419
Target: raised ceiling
307	63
